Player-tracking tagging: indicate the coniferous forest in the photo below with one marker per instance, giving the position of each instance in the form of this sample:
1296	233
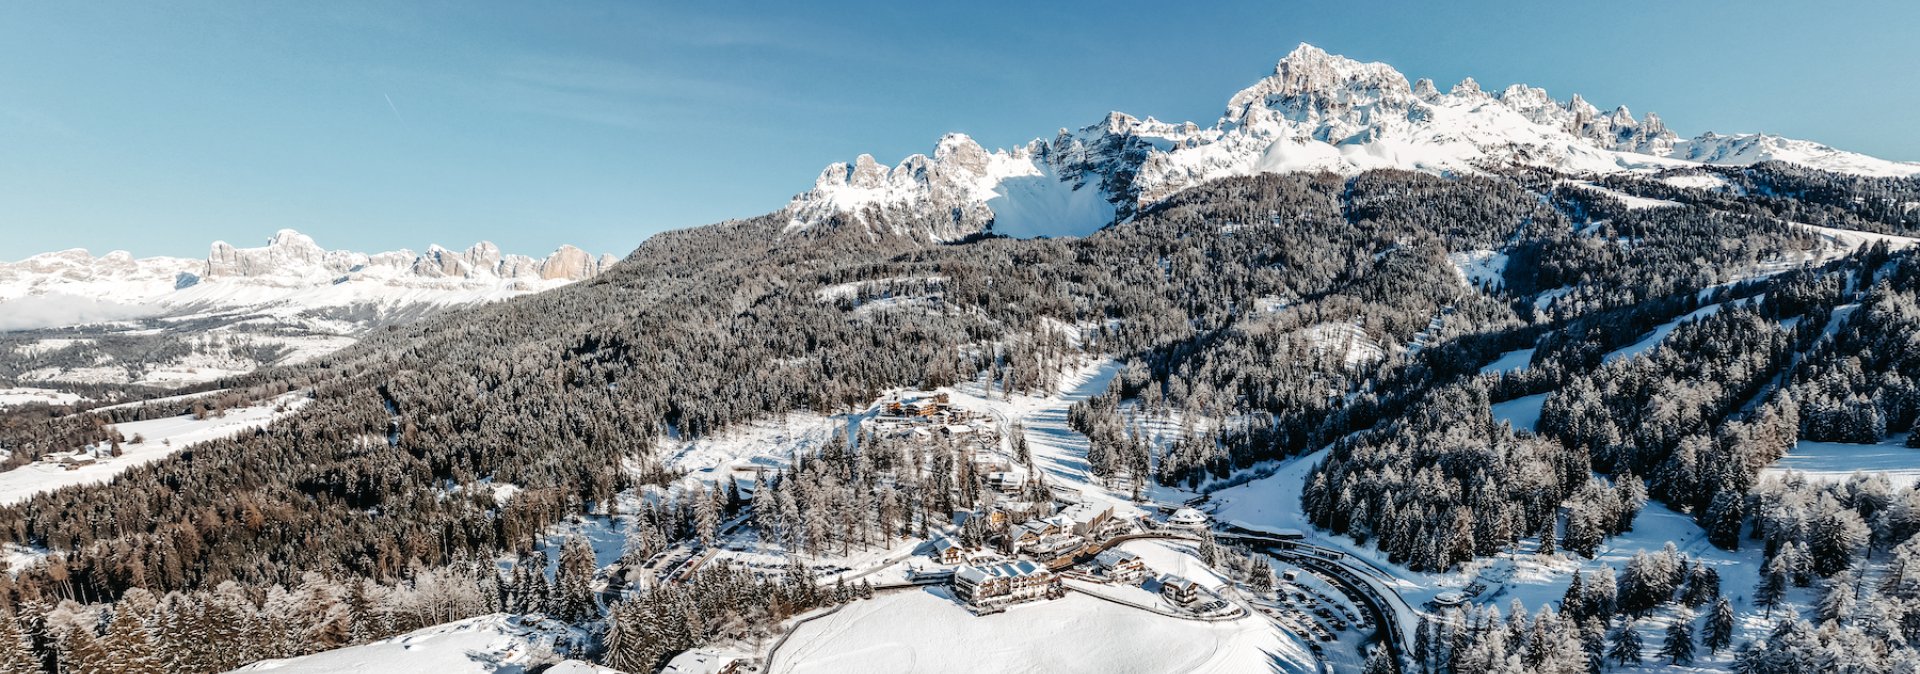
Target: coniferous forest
1303	312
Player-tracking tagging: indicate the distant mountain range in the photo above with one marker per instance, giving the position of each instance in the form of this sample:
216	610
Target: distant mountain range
293	272
1316	112
70	317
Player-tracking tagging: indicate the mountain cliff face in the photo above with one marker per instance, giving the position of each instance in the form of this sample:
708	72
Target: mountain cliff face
1315	112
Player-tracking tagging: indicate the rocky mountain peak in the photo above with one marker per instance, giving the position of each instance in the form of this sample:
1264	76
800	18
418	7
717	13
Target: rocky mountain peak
569	263
1316	111
1309	82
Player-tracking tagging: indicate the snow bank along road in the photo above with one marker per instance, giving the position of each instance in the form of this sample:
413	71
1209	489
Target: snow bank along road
1391	617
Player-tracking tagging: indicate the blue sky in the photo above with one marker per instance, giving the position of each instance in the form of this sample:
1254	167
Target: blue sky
380	125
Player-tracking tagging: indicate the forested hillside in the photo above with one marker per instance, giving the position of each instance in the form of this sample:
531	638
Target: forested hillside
1289	312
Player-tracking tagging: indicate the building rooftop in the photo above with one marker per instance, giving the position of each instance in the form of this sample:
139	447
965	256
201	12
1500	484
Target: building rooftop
1187	516
1083	513
978	574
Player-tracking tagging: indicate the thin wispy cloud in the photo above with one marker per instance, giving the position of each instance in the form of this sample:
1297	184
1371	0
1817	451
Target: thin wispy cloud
390	106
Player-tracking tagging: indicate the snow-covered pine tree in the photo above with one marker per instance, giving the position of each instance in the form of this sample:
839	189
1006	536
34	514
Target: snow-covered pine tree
1678	647
573	582
1379	661
129	646
15	654
1719	632
1624	646
80	651
1837	601
539	594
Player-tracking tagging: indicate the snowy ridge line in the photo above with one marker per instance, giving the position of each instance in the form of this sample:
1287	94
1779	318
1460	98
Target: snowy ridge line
1315	112
291	270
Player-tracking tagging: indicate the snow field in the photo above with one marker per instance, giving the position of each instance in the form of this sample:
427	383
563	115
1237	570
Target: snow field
489	644
163	437
927	631
1838	461
10	397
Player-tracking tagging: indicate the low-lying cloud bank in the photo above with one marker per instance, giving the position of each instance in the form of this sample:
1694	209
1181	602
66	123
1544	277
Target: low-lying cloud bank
57	310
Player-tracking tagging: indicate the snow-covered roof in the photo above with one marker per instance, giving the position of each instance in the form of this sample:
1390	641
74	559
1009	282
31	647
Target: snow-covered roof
698	661
1187	516
1115	557
1083	513
1035	527
978	574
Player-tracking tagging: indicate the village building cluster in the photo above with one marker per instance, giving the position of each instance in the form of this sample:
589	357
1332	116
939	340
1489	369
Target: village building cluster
1021	546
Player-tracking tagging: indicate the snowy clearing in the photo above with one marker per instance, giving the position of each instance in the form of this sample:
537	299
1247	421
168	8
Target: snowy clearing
1510	361
1522	413
1846	241
484	645
1479	268
10	397
1711	182
1632	202
766	443
1837	461
163	437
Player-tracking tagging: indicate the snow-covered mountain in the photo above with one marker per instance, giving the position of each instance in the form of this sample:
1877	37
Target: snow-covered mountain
293	272
1316	111
71	317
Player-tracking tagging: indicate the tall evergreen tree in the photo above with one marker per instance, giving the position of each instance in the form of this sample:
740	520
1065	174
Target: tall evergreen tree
573	582
1625	645
1678	648
1719	633
129	646
15	654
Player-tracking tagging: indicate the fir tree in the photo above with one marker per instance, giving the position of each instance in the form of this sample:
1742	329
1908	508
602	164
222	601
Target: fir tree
1625	646
1719	633
573	582
15	654
1380	662
1773	585
1573	603
130	648
1678	648
82	653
